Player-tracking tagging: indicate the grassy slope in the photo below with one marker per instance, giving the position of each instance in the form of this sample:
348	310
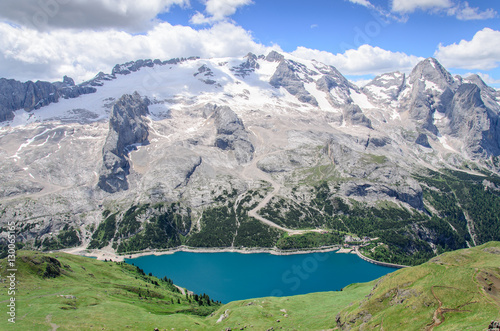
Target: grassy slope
405	299
398	301
107	296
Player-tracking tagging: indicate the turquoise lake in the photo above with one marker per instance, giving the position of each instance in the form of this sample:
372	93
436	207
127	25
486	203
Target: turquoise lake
228	277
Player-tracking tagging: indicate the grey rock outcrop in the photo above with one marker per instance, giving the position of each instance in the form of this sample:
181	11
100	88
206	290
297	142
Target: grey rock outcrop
99	79
286	76
206	72
471	121
411	193
15	95
353	115
247	67
132	66
335	85
231	134
422	140
488	94
385	88
281	162
126	128
274	56
431	89
372	177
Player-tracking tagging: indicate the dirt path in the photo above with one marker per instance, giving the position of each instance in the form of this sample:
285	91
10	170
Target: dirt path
438	316
54	326
438	312
252	172
184	291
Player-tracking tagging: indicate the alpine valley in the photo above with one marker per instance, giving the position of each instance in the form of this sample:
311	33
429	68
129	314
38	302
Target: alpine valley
266	151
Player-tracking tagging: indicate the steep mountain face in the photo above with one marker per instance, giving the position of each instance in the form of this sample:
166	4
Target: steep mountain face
292	75
249	147
29	96
470	120
126	129
231	134
428	91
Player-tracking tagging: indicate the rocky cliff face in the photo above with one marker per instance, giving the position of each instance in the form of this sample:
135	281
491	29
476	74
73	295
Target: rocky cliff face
353	115
470	120
247	67
287	76
231	134
127	128
15	95
430	88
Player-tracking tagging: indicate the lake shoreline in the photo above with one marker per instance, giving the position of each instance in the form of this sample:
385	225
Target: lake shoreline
108	254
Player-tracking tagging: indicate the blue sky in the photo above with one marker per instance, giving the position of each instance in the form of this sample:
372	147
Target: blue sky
361	38
328	24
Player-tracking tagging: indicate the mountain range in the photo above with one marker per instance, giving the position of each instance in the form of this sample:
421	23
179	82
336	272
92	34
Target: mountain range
261	151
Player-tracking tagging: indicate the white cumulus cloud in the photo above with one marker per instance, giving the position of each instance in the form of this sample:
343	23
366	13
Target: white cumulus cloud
461	10
409	6
365	3
366	60
466	13
482	52
49	55
218	10
132	15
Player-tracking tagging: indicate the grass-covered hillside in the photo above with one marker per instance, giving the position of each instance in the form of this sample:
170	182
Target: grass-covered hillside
458	290
70	292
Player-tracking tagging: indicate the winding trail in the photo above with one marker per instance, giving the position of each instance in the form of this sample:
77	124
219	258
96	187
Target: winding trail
436	321
252	172
438	316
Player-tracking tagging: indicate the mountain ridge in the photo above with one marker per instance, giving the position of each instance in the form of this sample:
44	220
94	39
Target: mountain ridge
202	144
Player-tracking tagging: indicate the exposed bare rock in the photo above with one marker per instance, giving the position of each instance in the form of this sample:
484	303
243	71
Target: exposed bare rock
353	115
231	134
471	121
126	128
286	76
15	95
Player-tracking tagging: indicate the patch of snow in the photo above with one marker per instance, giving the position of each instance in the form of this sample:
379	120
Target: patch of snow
159	111
320	97
378	91
444	143
438	118
27	143
395	115
361	100
432	86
